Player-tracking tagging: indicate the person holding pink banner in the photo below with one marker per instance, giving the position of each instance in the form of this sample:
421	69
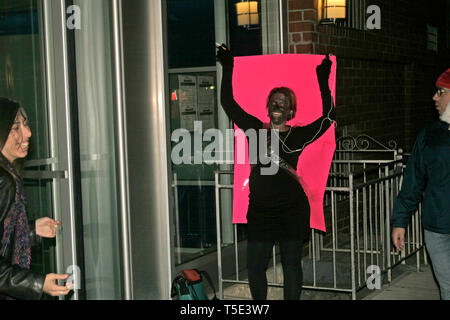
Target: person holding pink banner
278	210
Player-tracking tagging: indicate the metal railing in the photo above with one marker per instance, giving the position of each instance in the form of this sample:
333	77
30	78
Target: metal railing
176	183
359	199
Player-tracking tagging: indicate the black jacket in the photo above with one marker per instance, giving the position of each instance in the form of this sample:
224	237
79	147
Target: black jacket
15	282
427	173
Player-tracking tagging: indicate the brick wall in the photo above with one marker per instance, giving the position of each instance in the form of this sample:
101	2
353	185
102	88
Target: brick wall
385	78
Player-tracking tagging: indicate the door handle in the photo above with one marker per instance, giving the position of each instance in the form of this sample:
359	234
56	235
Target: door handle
44	175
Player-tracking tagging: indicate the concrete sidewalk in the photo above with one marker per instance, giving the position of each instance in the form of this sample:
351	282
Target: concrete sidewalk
411	285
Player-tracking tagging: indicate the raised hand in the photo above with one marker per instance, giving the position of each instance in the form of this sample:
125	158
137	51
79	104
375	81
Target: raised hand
323	71
224	55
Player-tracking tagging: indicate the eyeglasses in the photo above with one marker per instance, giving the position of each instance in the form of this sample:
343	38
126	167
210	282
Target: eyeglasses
441	91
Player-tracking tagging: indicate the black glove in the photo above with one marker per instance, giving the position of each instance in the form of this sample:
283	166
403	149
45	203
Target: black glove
323	72
224	56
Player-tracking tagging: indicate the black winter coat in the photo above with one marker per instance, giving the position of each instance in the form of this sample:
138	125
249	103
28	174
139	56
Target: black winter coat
15	282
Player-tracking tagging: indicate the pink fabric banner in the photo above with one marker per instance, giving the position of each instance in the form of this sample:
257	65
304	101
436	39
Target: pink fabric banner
253	78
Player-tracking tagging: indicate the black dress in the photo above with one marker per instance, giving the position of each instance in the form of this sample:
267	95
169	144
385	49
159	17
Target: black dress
278	206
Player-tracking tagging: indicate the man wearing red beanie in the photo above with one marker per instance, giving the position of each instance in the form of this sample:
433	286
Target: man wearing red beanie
443	100
427	173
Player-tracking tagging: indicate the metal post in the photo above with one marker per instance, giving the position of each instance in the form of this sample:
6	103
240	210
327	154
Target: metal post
117	43
236	252
365	227
219	238
352	238
281	26
52	123
333	232
177	215
416	216
314	257
388	225
358	250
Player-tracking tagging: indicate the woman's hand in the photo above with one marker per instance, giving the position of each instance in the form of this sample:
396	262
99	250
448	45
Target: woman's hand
323	70
53	289
47	227
224	55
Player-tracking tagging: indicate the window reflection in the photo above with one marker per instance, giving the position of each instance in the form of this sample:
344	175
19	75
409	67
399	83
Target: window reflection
193	99
190	33
193	107
243	41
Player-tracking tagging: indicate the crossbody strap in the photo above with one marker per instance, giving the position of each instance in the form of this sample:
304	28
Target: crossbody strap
283	164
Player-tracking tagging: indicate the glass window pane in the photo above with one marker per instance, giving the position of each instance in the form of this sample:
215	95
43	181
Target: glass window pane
193	106
97	152
191	33
192	26
244	40
22	79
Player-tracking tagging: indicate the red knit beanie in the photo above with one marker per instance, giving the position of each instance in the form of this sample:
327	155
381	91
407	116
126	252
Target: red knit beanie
444	80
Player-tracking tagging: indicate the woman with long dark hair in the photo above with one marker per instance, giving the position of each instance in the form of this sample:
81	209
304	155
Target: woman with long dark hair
278	208
17	235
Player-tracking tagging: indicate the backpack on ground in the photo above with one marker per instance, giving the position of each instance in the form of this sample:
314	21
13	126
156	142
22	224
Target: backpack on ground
188	285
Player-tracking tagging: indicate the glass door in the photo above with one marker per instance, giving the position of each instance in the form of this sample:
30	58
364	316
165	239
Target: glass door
93	79
193	29
61	73
81	104
22	79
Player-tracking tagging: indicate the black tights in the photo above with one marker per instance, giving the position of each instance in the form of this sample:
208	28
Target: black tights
258	257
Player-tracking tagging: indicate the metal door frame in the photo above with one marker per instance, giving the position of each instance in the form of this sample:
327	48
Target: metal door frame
58	101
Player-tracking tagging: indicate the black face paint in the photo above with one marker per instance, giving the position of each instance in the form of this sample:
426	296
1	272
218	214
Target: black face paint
279	109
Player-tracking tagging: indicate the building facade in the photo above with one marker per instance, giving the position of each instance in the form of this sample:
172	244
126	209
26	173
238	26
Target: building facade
389	56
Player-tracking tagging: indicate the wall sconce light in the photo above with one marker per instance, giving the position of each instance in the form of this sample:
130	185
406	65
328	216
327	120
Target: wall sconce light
247	13
331	10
